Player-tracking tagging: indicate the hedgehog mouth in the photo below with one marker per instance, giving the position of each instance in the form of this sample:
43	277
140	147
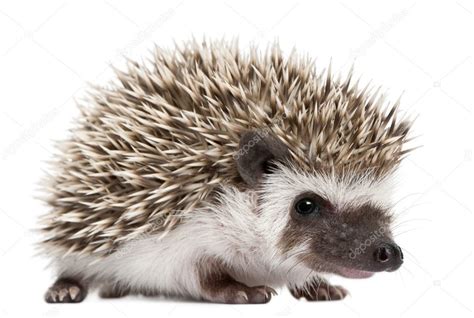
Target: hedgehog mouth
349	272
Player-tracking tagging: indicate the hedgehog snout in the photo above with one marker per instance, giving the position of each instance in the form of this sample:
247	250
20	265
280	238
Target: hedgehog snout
389	256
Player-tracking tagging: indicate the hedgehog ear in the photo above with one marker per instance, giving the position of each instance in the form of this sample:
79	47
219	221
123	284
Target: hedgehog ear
256	150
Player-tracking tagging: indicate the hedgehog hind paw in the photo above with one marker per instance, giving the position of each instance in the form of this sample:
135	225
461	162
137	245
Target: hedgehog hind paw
65	290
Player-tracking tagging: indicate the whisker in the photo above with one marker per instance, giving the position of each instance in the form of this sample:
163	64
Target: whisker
406	251
404	232
401	213
412	220
406	197
401	278
406	269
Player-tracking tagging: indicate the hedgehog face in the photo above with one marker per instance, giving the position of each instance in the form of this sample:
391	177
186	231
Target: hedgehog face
333	222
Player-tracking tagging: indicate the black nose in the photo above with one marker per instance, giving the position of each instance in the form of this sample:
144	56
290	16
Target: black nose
389	256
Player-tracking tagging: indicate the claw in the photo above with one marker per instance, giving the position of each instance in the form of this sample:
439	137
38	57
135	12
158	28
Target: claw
272	291
63	294
73	292
243	295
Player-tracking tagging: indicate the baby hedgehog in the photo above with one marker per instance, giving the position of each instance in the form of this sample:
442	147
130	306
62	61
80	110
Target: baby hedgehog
213	174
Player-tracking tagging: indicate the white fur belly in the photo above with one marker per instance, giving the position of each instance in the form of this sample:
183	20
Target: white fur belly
147	264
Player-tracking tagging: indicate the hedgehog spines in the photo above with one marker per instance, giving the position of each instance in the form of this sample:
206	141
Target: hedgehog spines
161	140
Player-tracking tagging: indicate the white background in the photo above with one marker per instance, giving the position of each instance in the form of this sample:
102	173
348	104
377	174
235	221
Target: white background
49	50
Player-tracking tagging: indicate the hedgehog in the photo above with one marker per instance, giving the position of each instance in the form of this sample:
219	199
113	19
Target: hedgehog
219	174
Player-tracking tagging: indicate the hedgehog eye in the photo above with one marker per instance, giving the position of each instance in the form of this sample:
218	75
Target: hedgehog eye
307	206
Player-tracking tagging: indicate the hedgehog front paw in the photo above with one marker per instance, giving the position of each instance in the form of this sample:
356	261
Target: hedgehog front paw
237	293
217	285
319	290
65	290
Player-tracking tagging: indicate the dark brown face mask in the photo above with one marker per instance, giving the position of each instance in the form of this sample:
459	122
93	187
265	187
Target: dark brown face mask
354	242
